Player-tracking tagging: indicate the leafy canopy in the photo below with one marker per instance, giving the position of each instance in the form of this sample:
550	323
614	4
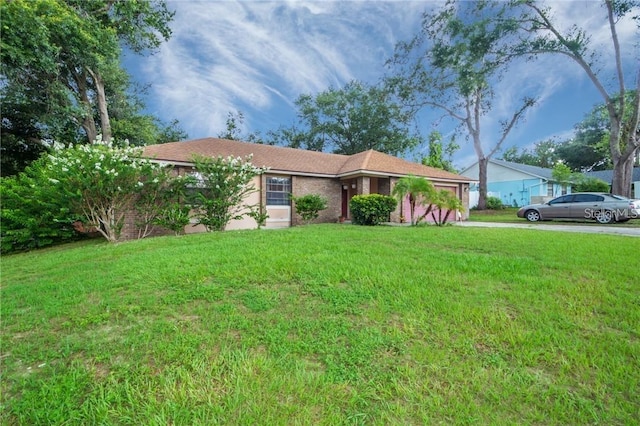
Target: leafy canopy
349	120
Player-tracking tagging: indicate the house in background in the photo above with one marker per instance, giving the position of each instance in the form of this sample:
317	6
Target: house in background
607	176
300	172
516	184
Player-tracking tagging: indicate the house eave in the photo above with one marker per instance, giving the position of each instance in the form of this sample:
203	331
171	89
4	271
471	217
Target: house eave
346	175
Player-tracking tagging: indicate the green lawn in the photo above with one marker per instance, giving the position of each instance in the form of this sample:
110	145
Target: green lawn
327	324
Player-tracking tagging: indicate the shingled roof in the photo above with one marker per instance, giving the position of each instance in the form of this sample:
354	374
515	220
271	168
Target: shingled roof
297	161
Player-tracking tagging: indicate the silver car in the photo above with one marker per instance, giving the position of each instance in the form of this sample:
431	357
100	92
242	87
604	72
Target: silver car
601	207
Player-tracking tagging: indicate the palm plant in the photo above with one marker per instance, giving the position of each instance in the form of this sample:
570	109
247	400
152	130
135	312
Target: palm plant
420	192
445	200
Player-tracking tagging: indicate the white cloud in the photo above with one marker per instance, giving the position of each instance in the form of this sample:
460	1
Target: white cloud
249	56
258	57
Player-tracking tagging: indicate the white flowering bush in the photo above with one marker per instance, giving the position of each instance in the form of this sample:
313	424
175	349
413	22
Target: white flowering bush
101	182
221	193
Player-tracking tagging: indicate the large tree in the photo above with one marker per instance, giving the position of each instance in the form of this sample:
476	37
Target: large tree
355	118
543	34
61	69
452	65
543	154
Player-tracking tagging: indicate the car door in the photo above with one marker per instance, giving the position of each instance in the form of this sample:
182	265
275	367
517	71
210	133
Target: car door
584	206
558	208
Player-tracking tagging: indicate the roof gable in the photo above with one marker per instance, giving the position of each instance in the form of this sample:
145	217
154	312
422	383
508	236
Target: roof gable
296	161
536	171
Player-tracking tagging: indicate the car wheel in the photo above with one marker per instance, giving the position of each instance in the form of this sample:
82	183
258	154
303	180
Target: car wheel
532	216
604	217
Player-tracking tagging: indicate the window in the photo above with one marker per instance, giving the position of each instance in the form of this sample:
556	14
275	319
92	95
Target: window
587	198
550	189
278	191
562	200
197	187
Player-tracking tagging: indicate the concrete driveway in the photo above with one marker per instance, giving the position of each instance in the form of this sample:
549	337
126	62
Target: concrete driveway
586	229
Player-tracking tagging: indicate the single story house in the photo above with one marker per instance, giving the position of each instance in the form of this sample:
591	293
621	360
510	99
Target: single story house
607	176
300	172
517	184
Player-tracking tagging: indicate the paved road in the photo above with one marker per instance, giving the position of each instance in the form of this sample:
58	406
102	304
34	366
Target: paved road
587	229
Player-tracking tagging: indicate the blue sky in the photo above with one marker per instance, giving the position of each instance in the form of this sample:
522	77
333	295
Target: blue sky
257	57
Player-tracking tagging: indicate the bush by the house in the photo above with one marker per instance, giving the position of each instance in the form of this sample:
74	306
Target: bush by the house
494	203
173	217
33	214
309	206
371	209
224	186
95	184
590	184
161	203
259	214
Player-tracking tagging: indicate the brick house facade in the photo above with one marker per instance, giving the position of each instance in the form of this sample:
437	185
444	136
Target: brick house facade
299	172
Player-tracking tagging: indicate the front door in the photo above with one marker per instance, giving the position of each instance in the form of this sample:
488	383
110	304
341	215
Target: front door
345	202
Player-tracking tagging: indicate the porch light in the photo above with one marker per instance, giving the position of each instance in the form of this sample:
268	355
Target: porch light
345	186
353	185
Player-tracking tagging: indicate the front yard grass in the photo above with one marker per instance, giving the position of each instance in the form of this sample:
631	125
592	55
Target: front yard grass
325	324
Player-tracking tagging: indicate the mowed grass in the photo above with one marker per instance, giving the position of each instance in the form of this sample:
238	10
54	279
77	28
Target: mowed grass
325	325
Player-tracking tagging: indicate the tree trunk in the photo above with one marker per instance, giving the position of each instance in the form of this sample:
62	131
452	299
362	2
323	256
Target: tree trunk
622	174
88	123
482	184
105	123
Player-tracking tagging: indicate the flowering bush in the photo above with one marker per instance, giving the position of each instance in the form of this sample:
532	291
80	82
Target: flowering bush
101	182
224	184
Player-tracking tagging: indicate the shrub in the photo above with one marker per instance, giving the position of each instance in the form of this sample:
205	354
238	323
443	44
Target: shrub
173	217
494	203
161	203
371	209
259	214
590	184
33	214
309	206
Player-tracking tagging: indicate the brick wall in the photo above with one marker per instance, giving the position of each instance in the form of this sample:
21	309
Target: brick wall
331	189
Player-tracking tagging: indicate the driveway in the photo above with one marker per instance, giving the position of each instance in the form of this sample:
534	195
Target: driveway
585	229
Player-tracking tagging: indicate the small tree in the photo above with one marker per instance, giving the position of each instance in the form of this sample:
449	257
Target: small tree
225	184
445	203
309	206
101	182
562	173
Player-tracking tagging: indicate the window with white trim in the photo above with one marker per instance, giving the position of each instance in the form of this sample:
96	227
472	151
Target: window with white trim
278	191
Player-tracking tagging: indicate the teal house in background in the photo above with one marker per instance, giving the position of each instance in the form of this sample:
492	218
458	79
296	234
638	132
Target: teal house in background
516	184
